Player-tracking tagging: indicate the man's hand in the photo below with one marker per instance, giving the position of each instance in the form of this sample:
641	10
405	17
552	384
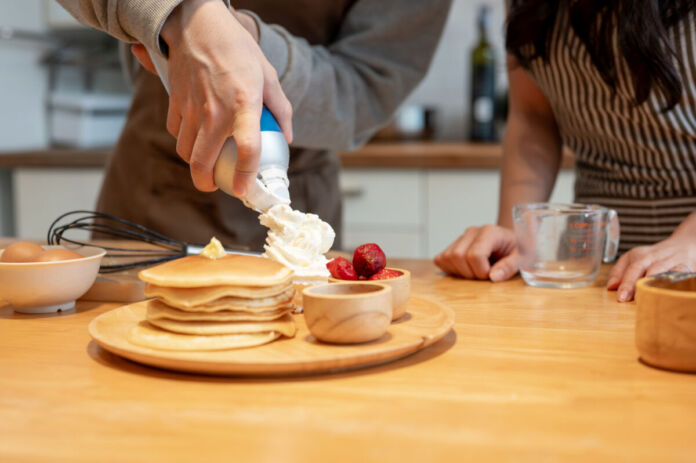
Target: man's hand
219	80
471	255
678	252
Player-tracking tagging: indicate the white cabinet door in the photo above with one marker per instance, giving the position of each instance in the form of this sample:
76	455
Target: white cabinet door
383	197
386	207
465	198
41	195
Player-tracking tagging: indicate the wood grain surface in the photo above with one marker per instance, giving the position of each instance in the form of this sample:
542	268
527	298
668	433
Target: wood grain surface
527	375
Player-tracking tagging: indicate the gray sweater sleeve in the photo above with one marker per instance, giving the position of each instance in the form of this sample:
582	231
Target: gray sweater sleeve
341	94
127	20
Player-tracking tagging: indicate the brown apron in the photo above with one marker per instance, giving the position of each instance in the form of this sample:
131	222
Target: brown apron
146	181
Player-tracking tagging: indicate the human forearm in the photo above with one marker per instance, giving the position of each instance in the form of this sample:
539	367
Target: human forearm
532	146
127	20
687	229
531	159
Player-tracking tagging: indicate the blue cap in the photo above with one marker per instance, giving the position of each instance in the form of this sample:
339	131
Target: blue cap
268	122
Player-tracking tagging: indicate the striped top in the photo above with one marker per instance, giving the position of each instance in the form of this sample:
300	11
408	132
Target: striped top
634	159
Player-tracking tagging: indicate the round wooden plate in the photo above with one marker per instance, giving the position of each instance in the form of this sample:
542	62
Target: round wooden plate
425	323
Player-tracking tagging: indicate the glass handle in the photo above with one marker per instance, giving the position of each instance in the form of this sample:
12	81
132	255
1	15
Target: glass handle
612	231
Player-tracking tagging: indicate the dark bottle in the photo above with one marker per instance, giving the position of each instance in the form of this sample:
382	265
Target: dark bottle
482	107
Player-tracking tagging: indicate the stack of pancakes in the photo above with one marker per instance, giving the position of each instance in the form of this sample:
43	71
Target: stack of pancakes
213	304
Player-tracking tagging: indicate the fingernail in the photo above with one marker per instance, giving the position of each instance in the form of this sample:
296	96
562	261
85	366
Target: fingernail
623	296
612	281
496	275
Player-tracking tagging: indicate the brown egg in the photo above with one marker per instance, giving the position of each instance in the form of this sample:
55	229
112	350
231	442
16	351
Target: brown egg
53	255
21	251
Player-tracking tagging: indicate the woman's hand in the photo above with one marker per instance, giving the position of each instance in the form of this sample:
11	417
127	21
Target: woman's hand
219	81
678	252
531	158
481	253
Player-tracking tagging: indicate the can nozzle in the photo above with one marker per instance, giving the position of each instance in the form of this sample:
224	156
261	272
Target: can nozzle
271	185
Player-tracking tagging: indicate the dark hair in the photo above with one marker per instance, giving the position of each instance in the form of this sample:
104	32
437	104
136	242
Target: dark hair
640	26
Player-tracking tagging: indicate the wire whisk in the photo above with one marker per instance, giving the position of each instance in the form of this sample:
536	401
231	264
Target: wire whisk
107	227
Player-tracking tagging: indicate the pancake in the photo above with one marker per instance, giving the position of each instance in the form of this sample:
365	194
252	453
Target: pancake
222	305
284	325
157	309
146	335
231	270
197	296
271	301
302	283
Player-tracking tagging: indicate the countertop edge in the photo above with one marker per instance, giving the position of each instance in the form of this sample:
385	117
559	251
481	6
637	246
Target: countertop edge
403	155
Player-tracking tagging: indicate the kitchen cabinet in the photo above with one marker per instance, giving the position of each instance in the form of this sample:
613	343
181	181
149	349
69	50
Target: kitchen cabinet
460	199
385	207
41	195
416	213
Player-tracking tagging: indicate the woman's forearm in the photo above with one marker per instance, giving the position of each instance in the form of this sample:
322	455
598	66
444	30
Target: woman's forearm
532	146
687	229
532	152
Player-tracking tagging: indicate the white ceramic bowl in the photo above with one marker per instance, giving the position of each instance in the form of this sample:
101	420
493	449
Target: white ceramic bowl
45	287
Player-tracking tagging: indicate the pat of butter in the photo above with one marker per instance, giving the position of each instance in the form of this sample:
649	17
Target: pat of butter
214	249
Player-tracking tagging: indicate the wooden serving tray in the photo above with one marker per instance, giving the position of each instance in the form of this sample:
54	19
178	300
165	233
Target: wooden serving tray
425	323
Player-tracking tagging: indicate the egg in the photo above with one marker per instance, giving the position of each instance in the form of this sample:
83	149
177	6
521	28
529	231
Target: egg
21	251
53	255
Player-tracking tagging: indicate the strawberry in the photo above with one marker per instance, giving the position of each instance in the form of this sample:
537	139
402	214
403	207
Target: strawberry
369	259
342	269
386	274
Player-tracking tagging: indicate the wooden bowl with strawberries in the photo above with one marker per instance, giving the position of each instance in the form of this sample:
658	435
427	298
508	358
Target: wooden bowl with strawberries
370	266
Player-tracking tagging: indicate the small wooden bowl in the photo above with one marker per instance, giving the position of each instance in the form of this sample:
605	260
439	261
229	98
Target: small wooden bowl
666	323
348	313
401	289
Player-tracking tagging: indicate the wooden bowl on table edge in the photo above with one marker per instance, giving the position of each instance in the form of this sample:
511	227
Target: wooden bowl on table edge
666	323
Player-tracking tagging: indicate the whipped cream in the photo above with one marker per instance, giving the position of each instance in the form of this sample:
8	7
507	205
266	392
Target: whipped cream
297	240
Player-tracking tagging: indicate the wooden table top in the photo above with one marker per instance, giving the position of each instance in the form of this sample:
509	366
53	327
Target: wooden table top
391	155
527	375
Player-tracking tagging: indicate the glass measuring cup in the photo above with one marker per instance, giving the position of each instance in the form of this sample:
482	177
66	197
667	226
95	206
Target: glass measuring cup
564	245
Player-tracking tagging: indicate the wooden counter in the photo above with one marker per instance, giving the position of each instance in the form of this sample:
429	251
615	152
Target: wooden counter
527	375
374	155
